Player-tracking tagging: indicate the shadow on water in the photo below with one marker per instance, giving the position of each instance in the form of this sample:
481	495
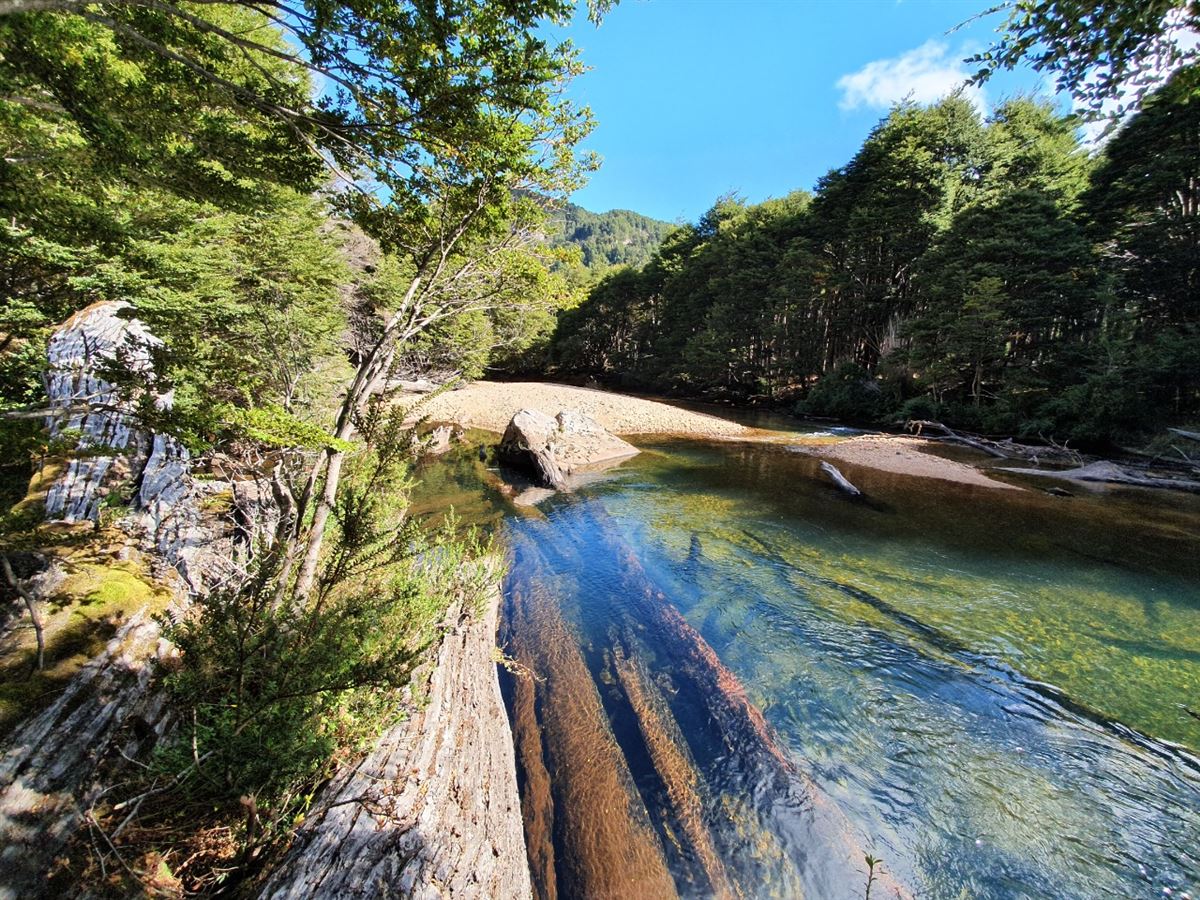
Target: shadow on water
733	682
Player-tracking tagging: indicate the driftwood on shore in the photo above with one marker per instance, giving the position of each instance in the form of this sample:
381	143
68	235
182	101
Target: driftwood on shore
839	479
1111	473
1004	449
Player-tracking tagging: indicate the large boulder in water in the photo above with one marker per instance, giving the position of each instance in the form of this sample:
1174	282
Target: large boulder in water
556	449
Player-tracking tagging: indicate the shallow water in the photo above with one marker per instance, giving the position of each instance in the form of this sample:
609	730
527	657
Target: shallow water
991	687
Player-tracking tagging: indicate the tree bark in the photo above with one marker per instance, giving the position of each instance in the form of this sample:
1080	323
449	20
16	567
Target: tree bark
433	810
31	604
839	479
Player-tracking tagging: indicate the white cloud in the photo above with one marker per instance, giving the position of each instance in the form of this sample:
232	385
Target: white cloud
923	75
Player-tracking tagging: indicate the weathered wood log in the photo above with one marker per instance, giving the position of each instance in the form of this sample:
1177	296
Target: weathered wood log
432	811
1005	449
1190	435
920	426
675	766
1111	473
839	479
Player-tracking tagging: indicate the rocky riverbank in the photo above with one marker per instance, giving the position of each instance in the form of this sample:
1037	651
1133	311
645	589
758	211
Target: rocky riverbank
490	405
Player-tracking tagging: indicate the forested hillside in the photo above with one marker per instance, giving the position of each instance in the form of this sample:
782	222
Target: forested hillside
989	272
618	237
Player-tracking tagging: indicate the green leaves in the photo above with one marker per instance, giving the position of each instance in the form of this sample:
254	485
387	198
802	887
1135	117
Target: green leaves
1103	52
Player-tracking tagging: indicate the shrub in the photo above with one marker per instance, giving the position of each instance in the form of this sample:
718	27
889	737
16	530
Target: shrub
848	392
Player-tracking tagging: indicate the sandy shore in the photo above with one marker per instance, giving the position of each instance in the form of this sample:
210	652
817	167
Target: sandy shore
490	405
904	456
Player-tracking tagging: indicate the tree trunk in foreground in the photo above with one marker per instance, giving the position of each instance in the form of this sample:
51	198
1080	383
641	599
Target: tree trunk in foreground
433	811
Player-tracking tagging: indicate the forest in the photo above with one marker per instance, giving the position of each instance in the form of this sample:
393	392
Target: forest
618	237
991	272
288	209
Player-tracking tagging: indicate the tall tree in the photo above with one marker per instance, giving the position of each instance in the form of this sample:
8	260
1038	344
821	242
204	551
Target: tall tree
876	216
1145	205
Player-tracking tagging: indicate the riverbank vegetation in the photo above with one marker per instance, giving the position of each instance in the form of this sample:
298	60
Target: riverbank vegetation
991	272
301	203
305	203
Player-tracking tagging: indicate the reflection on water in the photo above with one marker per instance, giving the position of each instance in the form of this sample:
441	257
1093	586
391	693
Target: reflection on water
991	688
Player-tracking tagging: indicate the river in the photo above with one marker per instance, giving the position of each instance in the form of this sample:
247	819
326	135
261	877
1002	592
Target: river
994	692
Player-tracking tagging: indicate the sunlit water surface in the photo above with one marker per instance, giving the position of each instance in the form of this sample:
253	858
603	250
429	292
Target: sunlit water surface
999	689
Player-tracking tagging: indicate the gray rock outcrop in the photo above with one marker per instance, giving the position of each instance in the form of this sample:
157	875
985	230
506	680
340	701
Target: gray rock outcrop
432	811
114	456
555	450
57	762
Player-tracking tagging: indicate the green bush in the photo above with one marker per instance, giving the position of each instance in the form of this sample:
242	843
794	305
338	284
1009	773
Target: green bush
923	407
848	392
274	691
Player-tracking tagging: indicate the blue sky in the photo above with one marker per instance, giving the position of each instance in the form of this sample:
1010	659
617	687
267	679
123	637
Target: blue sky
696	98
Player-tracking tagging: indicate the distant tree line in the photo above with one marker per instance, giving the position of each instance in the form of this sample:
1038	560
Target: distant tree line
989	272
618	237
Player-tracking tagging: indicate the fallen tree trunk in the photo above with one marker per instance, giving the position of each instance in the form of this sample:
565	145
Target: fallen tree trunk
432	811
1005	449
55	764
797	838
675	766
1111	473
839	479
598	819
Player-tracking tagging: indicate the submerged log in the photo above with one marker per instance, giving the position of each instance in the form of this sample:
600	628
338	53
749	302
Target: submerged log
433	810
839	479
676	767
537	803
816	837
609	846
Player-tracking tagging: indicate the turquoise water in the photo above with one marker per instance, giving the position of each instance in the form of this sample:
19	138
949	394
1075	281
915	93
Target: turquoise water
996	689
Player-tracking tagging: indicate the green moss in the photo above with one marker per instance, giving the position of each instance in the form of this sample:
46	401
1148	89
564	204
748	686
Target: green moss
97	596
218	504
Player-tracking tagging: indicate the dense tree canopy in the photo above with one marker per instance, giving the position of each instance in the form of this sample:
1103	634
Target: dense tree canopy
986	271
1108	54
615	238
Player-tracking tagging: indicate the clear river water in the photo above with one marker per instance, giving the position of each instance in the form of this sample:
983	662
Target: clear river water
723	667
